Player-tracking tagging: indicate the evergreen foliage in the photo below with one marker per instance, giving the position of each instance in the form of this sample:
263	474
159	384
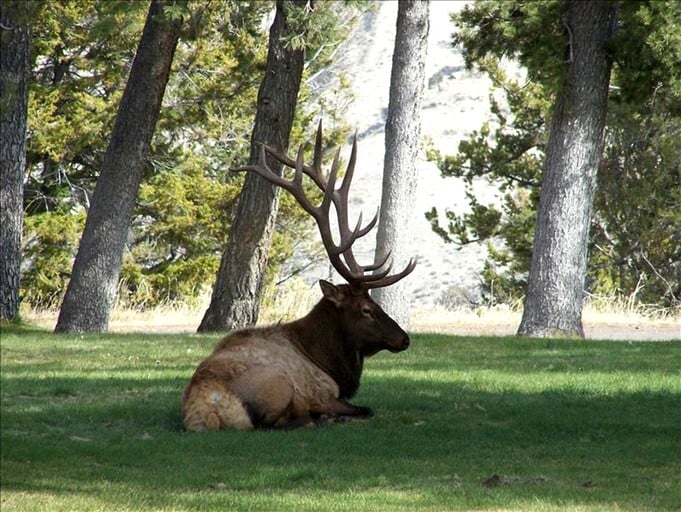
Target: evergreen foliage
635	246
82	51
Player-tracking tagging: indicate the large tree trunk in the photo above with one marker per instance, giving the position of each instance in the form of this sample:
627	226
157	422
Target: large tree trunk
402	137
236	295
14	73
553	304
94	281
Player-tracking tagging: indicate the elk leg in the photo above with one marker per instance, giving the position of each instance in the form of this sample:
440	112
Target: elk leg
339	408
315	420
330	412
303	421
266	395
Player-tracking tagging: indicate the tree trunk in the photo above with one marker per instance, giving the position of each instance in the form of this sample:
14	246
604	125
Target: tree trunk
553	304
236	295
94	281
402	137
14	73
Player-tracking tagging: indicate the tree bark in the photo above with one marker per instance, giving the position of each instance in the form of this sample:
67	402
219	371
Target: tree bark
553	304
235	299
94	281
402	137
14	74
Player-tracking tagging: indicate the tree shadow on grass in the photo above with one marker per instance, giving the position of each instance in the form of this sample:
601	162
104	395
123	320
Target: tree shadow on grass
431	444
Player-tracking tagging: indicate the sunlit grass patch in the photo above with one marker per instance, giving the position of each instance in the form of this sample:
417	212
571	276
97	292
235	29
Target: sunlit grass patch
93	423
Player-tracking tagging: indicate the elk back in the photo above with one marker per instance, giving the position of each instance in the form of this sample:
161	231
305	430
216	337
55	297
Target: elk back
255	378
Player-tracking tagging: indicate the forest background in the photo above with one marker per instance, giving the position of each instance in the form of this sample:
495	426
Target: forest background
82	51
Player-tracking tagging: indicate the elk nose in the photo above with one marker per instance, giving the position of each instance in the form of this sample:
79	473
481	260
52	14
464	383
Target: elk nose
405	342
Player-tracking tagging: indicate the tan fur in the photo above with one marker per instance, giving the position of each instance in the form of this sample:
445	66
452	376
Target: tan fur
207	407
266	372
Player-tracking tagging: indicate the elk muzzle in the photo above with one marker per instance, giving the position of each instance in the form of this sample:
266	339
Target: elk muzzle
400	344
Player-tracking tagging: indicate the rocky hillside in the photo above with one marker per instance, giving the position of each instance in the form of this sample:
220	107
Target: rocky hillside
455	103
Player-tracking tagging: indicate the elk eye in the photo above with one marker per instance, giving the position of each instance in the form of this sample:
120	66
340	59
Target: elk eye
367	312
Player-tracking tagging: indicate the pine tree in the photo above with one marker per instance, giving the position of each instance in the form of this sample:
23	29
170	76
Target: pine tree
553	304
634	246
14	73
236	295
92	289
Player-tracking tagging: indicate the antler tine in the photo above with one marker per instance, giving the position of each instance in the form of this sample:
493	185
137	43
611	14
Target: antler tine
330	188
349	171
294	187
369	226
317	159
381	281
298	176
341	208
312	172
347	239
263	169
376	266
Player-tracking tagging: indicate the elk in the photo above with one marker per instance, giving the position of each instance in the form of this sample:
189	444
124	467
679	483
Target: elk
302	373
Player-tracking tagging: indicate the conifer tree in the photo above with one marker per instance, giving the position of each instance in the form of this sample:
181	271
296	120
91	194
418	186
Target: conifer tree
14	73
94	281
634	246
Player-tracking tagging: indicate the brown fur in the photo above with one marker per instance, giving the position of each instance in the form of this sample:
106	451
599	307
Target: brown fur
294	374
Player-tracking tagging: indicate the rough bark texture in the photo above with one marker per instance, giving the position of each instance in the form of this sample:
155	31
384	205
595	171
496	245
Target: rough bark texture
402	136
94	280
14	73
553	304
236	295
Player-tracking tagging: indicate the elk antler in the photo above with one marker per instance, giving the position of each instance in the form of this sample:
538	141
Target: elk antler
340	255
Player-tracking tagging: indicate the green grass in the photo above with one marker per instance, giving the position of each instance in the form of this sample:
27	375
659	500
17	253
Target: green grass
93	423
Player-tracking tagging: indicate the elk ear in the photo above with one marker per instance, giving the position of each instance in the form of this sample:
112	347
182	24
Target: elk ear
331	292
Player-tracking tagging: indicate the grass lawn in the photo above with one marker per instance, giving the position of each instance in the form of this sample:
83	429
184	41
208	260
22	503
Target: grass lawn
92	423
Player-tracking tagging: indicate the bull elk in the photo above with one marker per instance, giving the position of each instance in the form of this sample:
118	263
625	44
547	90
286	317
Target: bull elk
301	374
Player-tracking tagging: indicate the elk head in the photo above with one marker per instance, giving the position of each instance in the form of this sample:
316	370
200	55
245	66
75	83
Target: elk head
360	278
369	328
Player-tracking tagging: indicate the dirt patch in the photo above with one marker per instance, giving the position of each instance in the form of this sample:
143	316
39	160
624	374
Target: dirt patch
597	326
501	322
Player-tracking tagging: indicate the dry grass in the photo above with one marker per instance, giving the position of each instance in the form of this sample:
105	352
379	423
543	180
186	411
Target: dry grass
603	319
599	323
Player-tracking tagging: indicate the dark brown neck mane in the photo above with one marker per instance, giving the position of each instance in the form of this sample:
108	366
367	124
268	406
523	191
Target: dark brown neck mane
321	336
